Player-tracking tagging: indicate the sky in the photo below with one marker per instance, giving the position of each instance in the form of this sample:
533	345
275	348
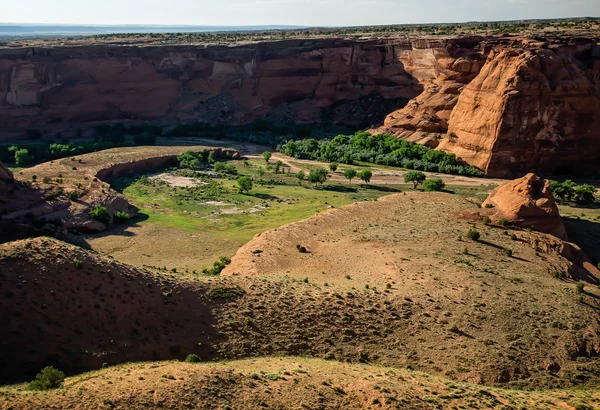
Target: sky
287	12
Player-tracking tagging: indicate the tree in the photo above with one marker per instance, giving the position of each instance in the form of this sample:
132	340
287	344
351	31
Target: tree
333	166
100	213
435	184
245	183
348	159
188	160
349	174
318	176
48	378
365	175
261	172
267	156
416	177
278	165
300	175
22	157
584	194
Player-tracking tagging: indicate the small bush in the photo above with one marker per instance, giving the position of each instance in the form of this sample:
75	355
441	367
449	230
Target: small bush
78	264
503	222
487	220
301	249
513	237
120	217
100	213
226	293
473	234
435	184
489	206
192	358
508	252
48	378
580	286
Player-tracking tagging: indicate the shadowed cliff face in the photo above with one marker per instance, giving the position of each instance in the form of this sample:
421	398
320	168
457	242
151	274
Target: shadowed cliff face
354	83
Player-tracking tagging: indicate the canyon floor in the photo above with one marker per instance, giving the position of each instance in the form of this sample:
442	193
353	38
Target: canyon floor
391	305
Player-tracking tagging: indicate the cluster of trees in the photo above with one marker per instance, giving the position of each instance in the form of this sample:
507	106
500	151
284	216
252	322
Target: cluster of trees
379	149
417	178
570	191
107	136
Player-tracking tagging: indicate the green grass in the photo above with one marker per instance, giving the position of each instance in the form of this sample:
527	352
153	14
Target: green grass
280	204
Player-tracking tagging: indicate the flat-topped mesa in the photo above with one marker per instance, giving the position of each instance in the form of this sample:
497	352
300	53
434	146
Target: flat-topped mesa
522	106
527	202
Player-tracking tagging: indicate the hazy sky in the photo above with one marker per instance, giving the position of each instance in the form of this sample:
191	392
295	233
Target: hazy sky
295	12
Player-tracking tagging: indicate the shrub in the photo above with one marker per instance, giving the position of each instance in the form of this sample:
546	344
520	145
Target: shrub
189	160
435	184
218	266
278	165
508	252
333	166
513	237
226	293
48	378
245	184
221	167
416	177
100	213
78	264
301	249
121	217
192	358
267	156
580	286
473	234
301	176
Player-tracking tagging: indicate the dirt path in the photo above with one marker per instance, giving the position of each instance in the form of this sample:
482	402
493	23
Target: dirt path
381	176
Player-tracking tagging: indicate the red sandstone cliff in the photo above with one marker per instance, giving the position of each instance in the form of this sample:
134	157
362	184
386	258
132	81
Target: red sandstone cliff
510	108
298	81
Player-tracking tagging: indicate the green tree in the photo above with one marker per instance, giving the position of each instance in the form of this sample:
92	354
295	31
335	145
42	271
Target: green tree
333	166
318	176
100	214
267	156
278	165
350	174
301	176
22	157
435	184
245	183
188	160
261	172
416	177
365	175
48	378
584	194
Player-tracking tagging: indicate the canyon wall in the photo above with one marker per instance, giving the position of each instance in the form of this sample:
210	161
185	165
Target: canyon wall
347	82
505	105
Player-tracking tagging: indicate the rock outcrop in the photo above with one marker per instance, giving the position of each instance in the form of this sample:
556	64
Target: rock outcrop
510	107
526	202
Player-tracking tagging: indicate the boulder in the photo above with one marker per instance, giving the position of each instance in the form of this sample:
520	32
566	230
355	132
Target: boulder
527	202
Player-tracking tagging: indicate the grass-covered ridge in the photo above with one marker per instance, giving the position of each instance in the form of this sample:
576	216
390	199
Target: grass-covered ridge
379	149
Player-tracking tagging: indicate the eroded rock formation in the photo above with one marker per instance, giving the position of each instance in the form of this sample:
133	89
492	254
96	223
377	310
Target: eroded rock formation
511	107
527	202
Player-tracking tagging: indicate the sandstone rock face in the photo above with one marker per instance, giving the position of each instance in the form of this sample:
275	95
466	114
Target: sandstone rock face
527	202
300	81
511	107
